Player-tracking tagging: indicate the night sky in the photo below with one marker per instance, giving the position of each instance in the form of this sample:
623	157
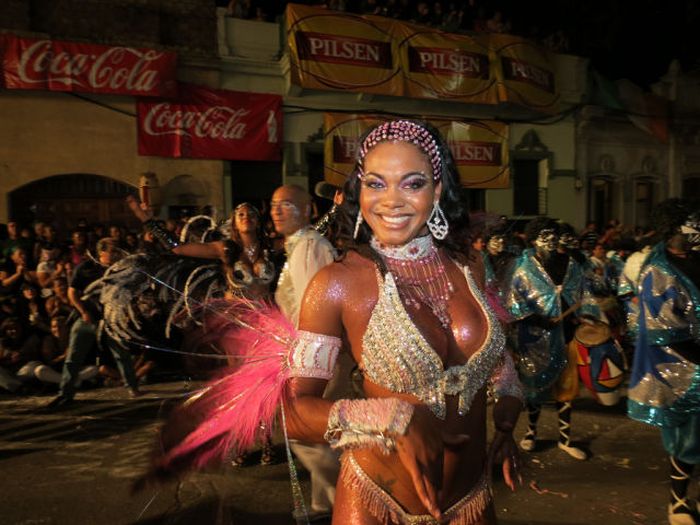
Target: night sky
623	39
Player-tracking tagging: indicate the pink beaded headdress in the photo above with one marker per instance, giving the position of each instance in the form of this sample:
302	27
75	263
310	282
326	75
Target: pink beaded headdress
403	131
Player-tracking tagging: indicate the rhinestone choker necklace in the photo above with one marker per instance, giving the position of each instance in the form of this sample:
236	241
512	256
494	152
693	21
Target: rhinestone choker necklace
420	274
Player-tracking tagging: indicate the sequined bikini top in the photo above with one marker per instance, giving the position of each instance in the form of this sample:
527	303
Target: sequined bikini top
396	356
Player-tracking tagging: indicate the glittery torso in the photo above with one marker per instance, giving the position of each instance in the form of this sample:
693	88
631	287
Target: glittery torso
532	292
663	384
241	275
397	357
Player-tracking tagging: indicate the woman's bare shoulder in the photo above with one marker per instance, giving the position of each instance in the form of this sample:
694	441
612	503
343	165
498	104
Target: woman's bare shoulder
339	278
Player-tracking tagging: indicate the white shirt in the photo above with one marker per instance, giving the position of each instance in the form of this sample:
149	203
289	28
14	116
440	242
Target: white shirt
307	252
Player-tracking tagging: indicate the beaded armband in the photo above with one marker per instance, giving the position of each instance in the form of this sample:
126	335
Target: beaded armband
357	423
163	236
313	355
504	380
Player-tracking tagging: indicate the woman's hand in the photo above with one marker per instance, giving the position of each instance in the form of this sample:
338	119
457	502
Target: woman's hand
503	449
139	209
421	451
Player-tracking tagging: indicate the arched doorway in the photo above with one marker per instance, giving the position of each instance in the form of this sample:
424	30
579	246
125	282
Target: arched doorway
63	199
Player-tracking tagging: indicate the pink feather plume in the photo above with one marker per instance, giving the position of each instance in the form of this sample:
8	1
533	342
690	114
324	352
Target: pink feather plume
226	415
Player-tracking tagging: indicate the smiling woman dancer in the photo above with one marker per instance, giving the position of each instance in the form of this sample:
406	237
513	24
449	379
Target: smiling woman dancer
406	302
426	343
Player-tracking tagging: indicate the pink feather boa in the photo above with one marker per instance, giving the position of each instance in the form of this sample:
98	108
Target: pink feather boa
225	416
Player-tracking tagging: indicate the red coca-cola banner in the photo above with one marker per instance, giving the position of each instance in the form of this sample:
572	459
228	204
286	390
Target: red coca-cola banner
66	66
212	124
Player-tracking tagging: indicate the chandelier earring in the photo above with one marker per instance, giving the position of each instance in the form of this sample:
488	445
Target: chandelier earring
358	223
437	222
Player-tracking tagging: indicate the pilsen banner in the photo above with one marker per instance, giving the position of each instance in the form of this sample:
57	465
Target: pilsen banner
65	66
331	50
371	54
212	124
479	148
525	74
445	66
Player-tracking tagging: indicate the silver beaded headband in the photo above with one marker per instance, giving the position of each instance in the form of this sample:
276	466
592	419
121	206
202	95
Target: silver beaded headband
403	131
247	205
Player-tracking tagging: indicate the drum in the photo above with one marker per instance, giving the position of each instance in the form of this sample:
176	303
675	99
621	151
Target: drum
601	362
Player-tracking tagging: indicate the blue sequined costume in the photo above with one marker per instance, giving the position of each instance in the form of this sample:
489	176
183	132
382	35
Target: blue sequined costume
542	351
664	387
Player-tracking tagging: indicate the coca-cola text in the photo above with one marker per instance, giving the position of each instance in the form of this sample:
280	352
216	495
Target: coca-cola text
214	122
64	66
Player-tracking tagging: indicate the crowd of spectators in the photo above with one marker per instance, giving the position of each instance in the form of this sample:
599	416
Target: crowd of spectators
37	271
37	264
466	16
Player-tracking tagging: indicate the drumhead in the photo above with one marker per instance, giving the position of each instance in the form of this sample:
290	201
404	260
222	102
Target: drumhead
592	333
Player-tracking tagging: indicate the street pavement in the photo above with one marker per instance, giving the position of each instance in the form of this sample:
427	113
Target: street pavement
77	466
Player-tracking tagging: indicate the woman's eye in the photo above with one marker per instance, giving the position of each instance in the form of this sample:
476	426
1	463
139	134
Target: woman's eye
415	184
374	184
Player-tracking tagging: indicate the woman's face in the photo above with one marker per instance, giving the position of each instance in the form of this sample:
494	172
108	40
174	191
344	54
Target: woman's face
19	257
397	192
57	328
245	220
60	288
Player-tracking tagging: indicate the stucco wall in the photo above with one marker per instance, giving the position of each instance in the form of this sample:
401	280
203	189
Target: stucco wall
45	134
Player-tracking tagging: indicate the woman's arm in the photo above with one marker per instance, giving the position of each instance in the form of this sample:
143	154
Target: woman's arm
321	313
203	250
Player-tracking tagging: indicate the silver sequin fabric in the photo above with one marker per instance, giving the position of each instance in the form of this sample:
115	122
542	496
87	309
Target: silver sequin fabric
396	356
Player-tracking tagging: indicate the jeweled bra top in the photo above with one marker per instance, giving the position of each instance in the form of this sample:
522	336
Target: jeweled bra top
397	357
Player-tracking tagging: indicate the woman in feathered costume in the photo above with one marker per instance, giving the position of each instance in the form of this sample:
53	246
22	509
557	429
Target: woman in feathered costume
406	300
249	272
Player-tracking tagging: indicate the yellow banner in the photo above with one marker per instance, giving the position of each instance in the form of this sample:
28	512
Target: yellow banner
372	54
332	50
525	73
446	66
479	148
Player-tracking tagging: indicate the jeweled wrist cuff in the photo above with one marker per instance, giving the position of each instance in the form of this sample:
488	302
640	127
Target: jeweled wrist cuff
362	423
313	355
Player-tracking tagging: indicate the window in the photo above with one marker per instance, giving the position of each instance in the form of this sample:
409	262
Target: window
644	201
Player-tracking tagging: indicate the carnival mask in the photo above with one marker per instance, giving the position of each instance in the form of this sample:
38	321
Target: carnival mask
546	240
496	244
691	230
568	241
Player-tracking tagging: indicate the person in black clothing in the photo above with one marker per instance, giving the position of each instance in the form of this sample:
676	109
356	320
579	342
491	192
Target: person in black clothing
83	334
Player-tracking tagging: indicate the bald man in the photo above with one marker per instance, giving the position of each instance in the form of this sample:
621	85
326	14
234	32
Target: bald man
307	252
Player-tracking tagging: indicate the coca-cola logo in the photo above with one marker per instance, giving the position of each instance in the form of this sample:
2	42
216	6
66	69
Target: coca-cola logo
44	63
214	122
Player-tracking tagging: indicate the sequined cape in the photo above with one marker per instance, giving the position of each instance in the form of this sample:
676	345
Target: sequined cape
664	385
627	290
541	351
